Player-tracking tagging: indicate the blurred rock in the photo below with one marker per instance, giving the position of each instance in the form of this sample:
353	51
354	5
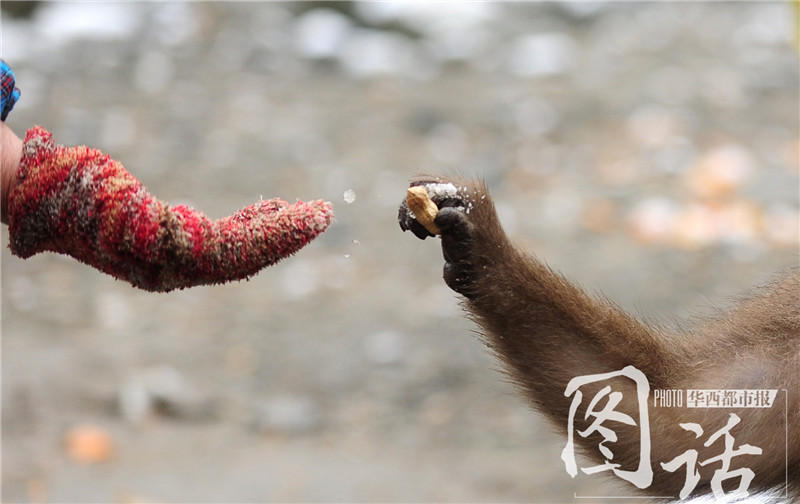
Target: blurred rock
696	227
370	53
61	22
134	401
720	172
384	347
287	414
20	9
654	220
162	391
583	9
89	444
175	23
542	54
320	33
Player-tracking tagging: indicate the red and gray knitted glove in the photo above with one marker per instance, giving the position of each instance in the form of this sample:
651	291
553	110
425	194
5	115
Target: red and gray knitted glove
78	201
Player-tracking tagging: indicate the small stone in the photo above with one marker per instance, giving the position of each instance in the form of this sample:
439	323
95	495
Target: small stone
319	33
287	414
696	227
89	444
542	54
162	390
720	172
653	220
134	401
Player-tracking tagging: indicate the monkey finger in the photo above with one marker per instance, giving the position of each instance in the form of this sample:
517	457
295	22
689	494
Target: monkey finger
402	216
456	251
408	223
459	278
456	235
448	202
419	230
451	220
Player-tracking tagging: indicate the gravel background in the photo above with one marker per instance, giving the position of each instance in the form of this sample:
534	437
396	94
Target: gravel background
650	151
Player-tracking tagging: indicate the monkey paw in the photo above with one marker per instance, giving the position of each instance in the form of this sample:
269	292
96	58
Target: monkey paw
456	202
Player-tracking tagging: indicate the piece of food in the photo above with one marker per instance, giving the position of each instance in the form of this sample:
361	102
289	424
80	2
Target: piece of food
423	207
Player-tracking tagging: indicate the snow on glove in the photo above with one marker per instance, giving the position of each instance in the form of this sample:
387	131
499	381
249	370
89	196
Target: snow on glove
78	201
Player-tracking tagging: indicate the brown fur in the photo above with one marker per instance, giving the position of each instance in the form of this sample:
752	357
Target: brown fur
548	331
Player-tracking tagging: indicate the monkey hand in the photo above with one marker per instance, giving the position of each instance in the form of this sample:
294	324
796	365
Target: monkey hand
78	201
464	210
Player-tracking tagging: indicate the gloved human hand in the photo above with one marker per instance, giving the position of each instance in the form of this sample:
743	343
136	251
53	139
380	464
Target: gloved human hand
80	202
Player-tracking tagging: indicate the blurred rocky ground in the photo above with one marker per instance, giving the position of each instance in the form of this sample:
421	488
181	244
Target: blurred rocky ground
648	150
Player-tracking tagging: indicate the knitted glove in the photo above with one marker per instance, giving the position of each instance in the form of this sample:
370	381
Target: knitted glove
80	202
9	92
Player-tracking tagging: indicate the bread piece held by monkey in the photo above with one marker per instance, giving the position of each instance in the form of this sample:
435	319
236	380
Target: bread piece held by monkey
425	210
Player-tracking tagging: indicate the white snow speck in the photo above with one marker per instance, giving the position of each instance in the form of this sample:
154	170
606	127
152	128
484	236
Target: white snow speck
349	196
442	190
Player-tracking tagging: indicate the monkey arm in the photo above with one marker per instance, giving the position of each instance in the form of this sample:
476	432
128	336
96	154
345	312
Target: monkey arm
532	314
548	331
